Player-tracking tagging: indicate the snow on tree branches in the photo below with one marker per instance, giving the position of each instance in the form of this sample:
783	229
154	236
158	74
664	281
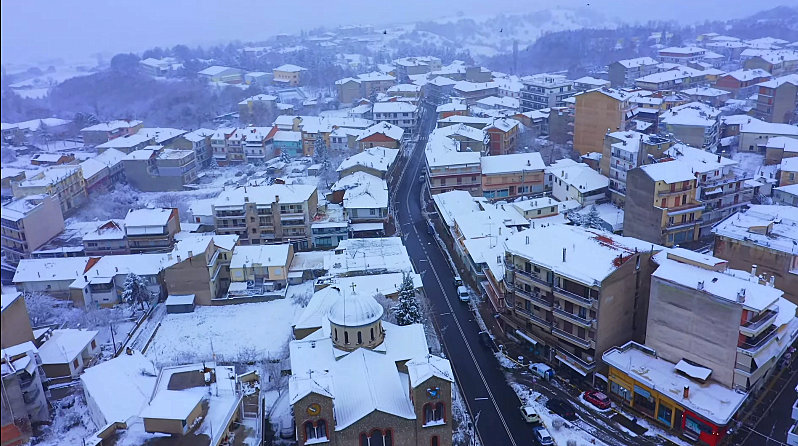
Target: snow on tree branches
407	310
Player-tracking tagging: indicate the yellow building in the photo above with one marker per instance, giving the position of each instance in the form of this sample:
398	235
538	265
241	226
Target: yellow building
288	74
64	182
598	112
260	269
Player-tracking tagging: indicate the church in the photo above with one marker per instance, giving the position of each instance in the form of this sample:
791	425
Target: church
360	381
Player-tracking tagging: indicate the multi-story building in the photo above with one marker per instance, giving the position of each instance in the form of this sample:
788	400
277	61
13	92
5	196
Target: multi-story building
742	83
108	239
576	292
288	74
260	270
27	224
382	134
695	124
752	324
199	141
777	63
408	66
377	161
24	401
400	114
471	92
267	214
64	182
503	136
623	73
106	131
507	177
598	112
448	168
777	98
681	55
155	169
624	151
779	148
661	203
257	110
721	185
674	79
763	236
588	83
755	134
578	182
151	230
545	91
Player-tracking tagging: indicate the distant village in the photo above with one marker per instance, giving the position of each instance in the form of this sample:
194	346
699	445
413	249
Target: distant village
634	231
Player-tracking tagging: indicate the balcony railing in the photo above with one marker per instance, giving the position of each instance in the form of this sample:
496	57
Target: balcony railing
532	276
754	345
756	326
534	318
587	323
581	300
566	356
665	193
584	343
536	298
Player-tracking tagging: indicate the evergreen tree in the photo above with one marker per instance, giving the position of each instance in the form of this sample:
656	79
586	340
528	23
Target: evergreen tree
407	310
590	220
320	150
135	290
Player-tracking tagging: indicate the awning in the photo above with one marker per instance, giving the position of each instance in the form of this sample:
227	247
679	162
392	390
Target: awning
565	361
714	190
767	353
527	338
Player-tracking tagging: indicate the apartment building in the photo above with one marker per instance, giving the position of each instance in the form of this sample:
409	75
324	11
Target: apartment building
676	78
779	148
27	224
503	135
256	271
776	99
106	131
661	203
763	236
695	124
578	182
507	177
545	91
267	214
471	92
755	134
401	114
64	182
408	66
151	230
198	141
24	399
107	239
598	112
752	324
623	151
623	73
257	110
155	169
721	185
382	134
450	169
681	55
200	266
742	83
576	292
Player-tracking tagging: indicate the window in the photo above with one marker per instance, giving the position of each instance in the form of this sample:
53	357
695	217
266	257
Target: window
359	338
435	441
372	333
336	334
377	437
75	364
434	414
316	431
346	337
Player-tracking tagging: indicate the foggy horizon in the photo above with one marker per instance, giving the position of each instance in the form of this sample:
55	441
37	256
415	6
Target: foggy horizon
74	35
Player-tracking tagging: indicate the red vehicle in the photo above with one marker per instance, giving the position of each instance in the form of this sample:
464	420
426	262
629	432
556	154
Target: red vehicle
597	399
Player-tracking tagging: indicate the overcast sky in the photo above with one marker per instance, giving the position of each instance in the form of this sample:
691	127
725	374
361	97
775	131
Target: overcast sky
37	30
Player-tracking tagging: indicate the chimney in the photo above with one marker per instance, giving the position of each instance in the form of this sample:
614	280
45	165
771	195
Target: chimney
700	285
563	254
686	392
718	158
178	258
741	295
246	199
276	198
527	239
753	270
772	281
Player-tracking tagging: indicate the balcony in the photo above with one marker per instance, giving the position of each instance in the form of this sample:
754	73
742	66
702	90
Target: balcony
667	193
726	179
575	298
753	346
584	343
570	317
534	277
757	325
535	298
575	361
676	226
543	323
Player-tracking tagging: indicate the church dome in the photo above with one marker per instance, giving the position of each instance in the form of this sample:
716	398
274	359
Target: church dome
355	310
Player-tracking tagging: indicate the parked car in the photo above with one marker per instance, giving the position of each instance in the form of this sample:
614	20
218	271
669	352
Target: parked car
529	414
542	371
542	436
458	281
562	408
598	399
463	294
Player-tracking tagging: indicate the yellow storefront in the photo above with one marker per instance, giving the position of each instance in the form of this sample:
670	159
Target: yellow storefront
645	400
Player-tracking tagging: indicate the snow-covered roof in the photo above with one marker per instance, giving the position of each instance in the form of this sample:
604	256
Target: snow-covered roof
110	126
285	193
516	162
393	107
147	217
789	165
9	298
705	92
216	69
385	128
770	226
125	142
581	177
424	368
451	107
669	171
363	191
773	128
355	310
108	230
711	400
590	254
596	82
179	299
691	114
45	270
64	345
260	255
669	75
34	124
443	151
701	161
504	101
290	68
637	62
375	76
720	284
160	134
138	375
618	95
744	75
172	405
368	255
198	135
470	87
777	82
685	50
378	158
457	119
454	202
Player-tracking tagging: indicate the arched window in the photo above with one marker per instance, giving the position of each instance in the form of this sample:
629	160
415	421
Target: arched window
372	333
434	413
316	431
377	437
310	431
346	337
336	334
359	338
321	429
435	441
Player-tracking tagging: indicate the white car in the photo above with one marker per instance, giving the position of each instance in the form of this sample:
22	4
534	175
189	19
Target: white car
463	294
529	414
542	437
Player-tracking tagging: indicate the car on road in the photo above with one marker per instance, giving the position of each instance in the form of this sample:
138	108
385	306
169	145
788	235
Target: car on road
463	294
562	408
597	399
541	371
458	281
421	179
530	415
542	436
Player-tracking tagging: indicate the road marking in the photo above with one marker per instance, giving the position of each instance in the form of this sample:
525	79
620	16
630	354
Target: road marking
457	322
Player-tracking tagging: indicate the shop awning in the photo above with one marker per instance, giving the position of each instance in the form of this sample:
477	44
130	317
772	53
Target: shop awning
565	361
527	338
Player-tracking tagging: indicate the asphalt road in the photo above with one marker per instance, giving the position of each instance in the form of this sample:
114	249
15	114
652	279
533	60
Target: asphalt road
771	429
482	383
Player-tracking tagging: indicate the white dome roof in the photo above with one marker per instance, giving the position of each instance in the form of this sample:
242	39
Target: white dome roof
355	310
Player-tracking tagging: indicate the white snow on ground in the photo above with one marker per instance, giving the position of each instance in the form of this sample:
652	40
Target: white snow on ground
748	162
567	432
231	333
